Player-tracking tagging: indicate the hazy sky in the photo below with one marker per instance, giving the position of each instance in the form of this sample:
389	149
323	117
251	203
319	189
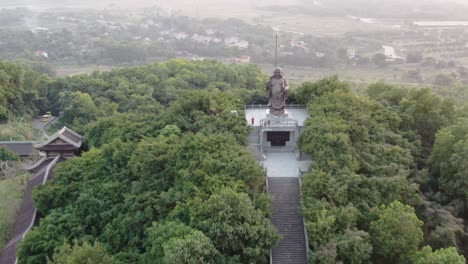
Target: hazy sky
204	7
138	3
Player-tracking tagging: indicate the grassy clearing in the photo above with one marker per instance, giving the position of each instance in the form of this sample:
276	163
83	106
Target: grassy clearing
11	191
17	130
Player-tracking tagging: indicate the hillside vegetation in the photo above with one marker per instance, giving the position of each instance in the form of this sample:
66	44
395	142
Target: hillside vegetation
165	176
387	177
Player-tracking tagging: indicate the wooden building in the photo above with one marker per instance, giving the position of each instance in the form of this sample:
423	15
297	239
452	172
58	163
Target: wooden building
66	142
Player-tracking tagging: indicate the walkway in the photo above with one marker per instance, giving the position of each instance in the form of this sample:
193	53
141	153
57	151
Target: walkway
283	185
287	220
27	213
283	164
25	217
42	126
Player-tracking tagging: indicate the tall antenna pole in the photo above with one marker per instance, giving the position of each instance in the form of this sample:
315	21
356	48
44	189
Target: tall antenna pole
276	51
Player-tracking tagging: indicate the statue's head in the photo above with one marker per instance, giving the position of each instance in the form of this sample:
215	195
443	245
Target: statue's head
277	72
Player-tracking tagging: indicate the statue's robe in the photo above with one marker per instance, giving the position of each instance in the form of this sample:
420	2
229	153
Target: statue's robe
277	93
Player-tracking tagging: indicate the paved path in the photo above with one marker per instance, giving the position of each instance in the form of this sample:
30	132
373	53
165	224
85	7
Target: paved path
283	164
27	213
42	126
288	221
283	185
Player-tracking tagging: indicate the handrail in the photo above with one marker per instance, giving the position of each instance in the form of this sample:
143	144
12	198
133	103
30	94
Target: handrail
262	106
37	164
266	182
51	165
306	235
277	123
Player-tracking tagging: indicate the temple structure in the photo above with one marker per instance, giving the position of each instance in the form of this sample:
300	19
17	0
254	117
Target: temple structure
58	147
273	140
66	143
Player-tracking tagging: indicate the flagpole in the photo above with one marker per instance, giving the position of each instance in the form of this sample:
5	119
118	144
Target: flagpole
276	50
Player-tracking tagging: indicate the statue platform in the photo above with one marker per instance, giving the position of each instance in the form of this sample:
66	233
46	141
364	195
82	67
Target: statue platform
259	112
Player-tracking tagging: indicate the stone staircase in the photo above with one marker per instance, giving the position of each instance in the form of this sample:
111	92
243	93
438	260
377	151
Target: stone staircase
287	220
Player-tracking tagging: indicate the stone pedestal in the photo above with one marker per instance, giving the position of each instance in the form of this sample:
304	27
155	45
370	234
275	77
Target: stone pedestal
283	113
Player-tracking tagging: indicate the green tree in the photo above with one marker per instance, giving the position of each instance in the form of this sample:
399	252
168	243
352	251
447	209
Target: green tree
397	231
380	60
354	247
81	254
444	80
230	220
309	91
449	158
440	256
79	108
8	155
173	243
414	57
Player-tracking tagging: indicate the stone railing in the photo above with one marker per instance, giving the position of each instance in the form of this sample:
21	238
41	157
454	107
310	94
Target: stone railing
260	106
265	123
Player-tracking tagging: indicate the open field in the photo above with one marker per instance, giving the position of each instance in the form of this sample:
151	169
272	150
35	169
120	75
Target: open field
18	130
75	70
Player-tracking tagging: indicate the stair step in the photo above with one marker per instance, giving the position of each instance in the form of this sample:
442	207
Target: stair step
288	221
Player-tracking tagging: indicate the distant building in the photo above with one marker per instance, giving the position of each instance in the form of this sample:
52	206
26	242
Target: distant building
367	20
389	52
351	53
319	54
40	30
21	148
180	35
210	31
236	42
66	142
244	59
202	39
147	41
241	59
441	23
41	53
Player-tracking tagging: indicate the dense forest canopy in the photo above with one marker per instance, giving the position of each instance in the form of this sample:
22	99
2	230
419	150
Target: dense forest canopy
166	168
394	156
166	176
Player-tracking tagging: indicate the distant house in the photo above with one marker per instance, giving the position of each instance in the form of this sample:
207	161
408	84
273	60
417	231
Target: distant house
180	35
210	31
367	20
319	54
40	30
441	23
241	59
201	39
236	42
351	53
41	53
147	41
297	44
244	59
231	40
389	52
243	44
